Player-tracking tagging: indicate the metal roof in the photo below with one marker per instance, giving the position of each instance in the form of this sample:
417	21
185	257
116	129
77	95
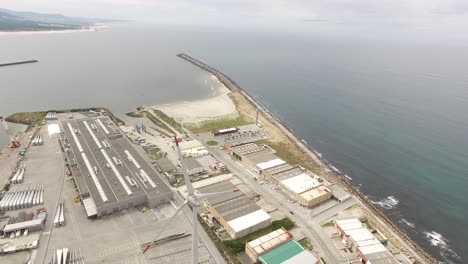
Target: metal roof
231	205
249	220
261	156
269	241
384	257
192	163
166	165
288	174
280	169
90	207
249	148
22	225
281	253
301	183
303	257
270	164
371	249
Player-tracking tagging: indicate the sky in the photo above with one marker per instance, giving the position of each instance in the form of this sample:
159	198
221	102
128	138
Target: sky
431	16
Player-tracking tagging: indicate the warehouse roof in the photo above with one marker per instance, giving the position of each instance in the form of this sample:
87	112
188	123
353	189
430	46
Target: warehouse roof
165	165
384	257
90	207
231	205
315	193
360	234
280	169
281	253
249	220
303	257
371	249
339	193
249	148
269	241
261	156
367	242
288	174
349	224
184	145
301	183
22	225
270	164
192	163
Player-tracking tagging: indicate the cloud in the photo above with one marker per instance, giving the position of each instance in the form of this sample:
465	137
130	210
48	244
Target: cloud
263	12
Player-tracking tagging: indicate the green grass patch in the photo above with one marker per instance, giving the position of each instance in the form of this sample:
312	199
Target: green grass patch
285	152
212	143
329	223
237	246
305	242
169	120
27	118
210	125
153	152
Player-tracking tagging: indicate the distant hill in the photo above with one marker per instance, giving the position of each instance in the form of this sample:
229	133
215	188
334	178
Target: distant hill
31	21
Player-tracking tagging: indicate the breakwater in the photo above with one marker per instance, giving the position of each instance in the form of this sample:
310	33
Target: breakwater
17	63
403	241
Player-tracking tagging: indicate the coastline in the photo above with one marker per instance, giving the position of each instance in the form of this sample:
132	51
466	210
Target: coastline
57	31
219	104
406	244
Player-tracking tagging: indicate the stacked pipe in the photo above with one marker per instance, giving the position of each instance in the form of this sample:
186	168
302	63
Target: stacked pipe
51	116
22	196
67	256
37	140
19	175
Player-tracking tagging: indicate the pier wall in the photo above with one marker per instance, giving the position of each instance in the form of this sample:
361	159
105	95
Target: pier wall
17	63
299	142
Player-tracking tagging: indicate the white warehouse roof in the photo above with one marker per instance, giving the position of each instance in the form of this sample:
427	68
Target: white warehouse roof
301	183
366	250
303	257
270	164
248	220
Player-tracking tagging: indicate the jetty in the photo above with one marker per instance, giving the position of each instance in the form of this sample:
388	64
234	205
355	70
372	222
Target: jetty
17	63
406	243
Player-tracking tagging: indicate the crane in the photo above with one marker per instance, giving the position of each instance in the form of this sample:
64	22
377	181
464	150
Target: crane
13	142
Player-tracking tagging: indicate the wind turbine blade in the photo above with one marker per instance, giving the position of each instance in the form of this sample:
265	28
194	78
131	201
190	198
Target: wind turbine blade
162	229
194	235
189	185
215	194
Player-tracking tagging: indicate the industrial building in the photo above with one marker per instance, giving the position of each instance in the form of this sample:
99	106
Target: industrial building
192	148
363	242
165	165
290	252
109	172
234	211
263	244
296	182
193	166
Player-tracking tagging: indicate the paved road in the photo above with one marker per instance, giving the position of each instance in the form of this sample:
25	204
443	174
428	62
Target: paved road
319	239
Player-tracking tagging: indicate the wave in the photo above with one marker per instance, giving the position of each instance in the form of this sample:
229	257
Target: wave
408	223
389	202
436	239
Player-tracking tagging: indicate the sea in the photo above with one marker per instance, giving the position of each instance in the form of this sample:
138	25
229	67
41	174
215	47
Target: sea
392	115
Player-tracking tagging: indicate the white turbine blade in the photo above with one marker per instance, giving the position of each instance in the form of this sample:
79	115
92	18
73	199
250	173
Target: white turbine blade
194	235
215	194
162	229
189	185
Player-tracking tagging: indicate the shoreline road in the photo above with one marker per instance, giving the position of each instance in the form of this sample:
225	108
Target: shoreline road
313	230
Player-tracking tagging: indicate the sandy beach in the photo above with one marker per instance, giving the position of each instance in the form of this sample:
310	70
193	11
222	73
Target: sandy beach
219	105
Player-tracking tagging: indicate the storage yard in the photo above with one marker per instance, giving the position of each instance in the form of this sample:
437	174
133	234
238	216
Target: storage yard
87	171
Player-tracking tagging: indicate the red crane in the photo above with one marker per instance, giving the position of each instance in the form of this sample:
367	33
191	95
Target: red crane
14	143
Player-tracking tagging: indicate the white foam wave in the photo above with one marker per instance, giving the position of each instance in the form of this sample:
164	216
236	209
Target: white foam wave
436	239
408	223
389	202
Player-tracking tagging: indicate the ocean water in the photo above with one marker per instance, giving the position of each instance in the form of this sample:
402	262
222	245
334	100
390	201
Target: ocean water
391	115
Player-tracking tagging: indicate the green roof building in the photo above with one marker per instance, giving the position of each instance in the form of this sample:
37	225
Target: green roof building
281	253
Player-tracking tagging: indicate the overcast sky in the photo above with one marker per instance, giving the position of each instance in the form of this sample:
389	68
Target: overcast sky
433	15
